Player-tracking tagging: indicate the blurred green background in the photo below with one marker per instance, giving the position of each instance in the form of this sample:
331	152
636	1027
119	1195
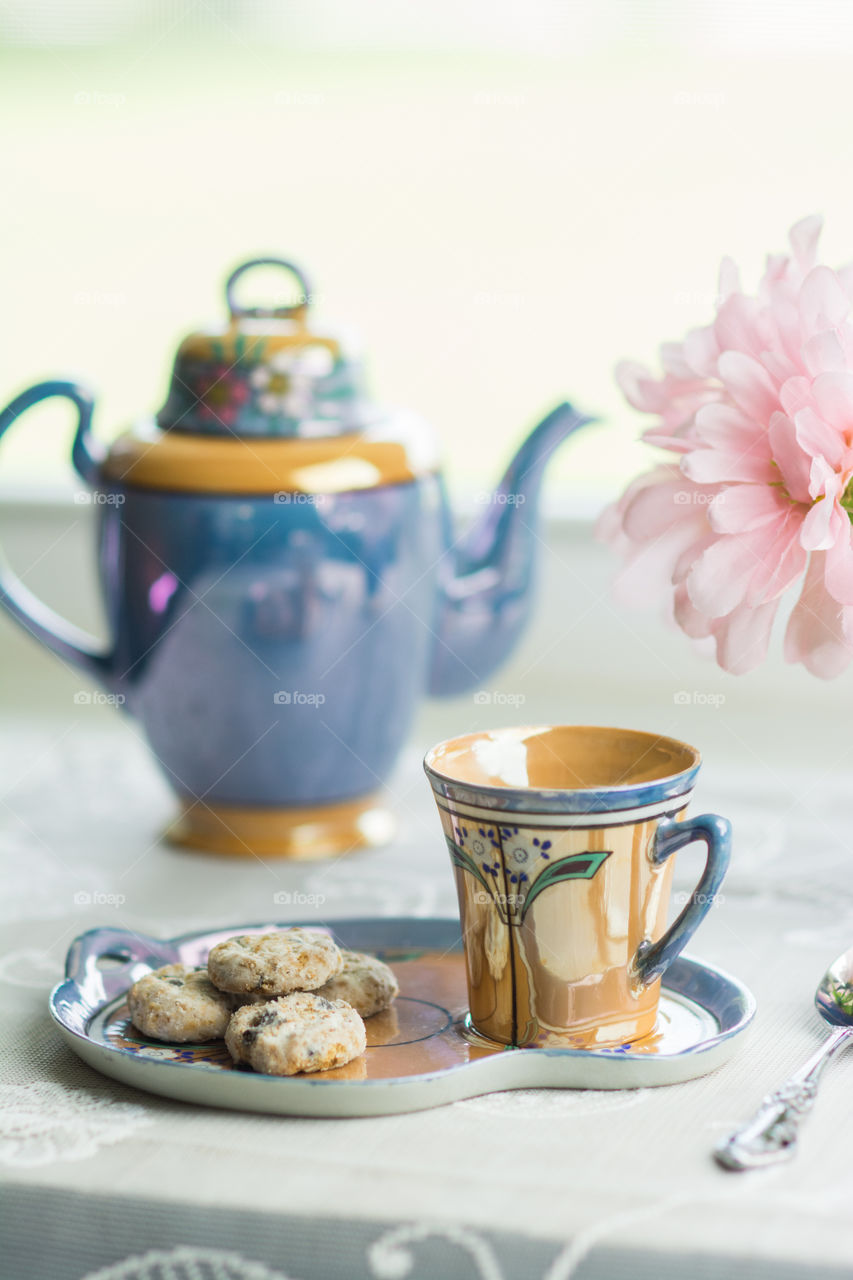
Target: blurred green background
502	199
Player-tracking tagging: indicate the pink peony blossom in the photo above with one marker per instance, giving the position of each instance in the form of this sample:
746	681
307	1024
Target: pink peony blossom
756	414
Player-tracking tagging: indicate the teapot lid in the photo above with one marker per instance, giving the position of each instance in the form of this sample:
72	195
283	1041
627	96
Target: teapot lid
265	373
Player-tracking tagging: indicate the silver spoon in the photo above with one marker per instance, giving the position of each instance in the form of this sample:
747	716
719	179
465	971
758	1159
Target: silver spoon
771	1135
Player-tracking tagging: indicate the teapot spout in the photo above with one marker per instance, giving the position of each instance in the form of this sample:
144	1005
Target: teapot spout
486	592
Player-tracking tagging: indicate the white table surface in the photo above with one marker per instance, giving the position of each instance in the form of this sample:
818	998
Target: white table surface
103	1181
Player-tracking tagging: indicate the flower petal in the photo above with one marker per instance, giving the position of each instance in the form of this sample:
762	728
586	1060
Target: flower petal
647	573
742	638
839	564
781	564
819	628
823	303
723	426
833	398
824	353
818	438
656	507
749	384
785	343
790	457
639	387
845	275
673	361
660	438
803	238
609	527
719	466
692	552
692	622
824	480
795	394
701	350
742	507
817	532
779	366
736	325
718	581
775	270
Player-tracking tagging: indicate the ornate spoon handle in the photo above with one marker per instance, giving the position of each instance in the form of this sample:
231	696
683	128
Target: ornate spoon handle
770	1136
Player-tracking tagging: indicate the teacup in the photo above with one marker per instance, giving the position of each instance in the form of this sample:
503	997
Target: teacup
562	838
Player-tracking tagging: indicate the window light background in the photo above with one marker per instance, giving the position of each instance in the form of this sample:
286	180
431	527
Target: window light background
502	199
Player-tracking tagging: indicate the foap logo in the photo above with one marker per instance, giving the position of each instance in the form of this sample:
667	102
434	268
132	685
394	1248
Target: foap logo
714	98
696	498
293	697
97	698
99	298
99	498
498	698
298	98
698	298
497	98
85	898
500	499
682	898
295	499
295	898
497	298
698	698
96	98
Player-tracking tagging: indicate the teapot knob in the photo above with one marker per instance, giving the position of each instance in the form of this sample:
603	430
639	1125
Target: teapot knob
285	311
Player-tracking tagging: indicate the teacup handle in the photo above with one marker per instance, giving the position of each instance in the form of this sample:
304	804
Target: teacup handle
654	958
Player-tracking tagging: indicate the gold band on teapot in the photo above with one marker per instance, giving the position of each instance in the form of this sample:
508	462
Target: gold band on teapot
187	463
312	831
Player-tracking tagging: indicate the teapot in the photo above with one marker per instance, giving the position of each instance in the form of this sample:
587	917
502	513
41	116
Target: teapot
283	580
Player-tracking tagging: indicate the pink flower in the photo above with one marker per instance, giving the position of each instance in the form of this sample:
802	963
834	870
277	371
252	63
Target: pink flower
756	413
220	394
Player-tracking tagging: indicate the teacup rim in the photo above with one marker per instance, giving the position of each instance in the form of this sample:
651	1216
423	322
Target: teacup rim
616	796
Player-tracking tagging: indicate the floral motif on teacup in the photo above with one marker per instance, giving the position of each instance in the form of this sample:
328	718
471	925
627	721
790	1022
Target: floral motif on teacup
514	865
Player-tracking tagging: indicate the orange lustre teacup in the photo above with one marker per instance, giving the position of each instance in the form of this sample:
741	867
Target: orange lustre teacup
561	839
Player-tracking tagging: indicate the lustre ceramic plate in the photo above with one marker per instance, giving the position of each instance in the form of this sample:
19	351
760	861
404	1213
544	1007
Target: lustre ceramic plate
420	1052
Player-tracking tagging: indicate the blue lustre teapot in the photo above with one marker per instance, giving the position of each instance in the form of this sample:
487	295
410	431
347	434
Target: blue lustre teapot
283	582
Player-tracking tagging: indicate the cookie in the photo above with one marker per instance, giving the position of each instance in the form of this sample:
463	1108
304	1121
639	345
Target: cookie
296	1033
364	982
178	1004
274	964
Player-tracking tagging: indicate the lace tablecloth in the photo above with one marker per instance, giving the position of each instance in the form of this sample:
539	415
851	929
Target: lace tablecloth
105	1183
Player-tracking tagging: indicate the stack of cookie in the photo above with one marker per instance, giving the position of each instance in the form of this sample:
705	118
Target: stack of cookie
285	1002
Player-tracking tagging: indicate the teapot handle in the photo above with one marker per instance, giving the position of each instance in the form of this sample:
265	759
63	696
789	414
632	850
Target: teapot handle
61	637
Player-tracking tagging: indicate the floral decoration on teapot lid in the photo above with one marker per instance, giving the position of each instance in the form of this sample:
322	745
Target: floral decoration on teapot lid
265	373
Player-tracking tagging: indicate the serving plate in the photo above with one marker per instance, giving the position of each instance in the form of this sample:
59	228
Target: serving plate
421	1053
